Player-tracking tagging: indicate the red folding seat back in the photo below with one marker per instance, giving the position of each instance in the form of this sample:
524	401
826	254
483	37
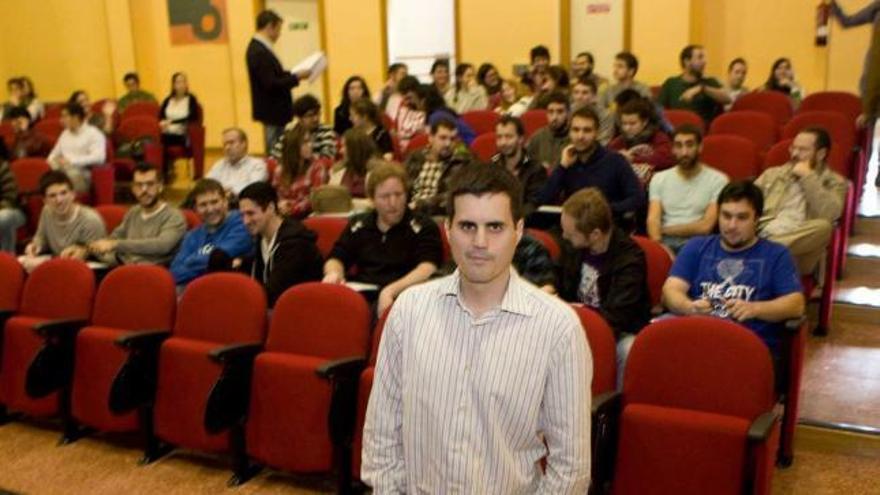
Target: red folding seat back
57	289
481	121
27	173
137	127
138	108
533	120
841	130
681	117
7	133
484	146
602	347
289	415
773	103
192	219
692	389
548	241
49	127
53	110
328	230
757	127
112	215
444	239
418	141
216	310
778	154
132	297
846	104
734	155
659	263
11	282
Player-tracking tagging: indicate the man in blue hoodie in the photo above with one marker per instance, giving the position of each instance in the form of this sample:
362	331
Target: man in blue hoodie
213	245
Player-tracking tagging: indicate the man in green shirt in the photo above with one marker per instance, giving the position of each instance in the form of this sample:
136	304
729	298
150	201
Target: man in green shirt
135	94
691	90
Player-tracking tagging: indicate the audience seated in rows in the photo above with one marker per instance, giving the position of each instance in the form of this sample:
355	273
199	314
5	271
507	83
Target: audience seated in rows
510	142
682	200
392	246
692	90
150	231
429	169
737	274
66	227
79	147
11	216
27	141
299	172
237	169
802	199
215	243
286	253
105	120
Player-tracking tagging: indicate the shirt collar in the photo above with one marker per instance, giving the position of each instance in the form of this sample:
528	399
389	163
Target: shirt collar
265	41
515	299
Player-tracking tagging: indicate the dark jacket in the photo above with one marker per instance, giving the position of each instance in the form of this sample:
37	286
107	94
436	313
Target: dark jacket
192	116
271	102
532	177
294	259
622	285
341	119
436	205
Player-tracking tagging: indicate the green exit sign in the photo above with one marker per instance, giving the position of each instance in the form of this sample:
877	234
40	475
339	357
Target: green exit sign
298	25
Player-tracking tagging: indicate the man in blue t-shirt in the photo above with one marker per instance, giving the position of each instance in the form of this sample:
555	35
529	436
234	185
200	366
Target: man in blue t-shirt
736	274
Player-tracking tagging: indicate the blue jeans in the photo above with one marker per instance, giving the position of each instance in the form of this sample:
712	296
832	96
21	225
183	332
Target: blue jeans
272	133
10	220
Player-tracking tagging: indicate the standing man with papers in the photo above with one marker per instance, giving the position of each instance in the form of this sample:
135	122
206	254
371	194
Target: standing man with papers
271	101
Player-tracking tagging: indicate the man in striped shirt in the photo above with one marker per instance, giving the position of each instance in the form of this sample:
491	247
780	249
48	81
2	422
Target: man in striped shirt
480	374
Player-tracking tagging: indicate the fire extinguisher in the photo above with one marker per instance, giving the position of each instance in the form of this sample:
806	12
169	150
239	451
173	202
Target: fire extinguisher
823	23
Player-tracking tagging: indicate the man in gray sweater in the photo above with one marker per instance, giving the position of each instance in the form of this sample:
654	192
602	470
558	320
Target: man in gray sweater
65	227
150	232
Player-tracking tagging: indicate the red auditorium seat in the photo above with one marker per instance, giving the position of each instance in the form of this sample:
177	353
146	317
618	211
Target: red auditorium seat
484	146
112	215
842	132
846	104
27	173
143	128
11	283
699	423
200	394
757	127
328	229
417	142
778	154
547	240
195	132
50	127
192	219
681	117
793	355
773	103
147	108
735	156
132	302
481	121
533	120
304	386
659	263
7	133
53	110
56	301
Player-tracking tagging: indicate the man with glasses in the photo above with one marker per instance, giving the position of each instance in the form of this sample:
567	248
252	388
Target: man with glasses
150	231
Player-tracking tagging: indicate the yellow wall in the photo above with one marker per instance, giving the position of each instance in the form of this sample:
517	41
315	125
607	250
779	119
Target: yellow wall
354	43
503	31
660	29
846	51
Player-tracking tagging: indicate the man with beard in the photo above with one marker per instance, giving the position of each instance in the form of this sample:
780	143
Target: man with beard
682	199
217	242
545	145
286	254
430	169
586	163
584	94
736	274
392	246
480	375
691	90
509	139
65	227
150	231
803	198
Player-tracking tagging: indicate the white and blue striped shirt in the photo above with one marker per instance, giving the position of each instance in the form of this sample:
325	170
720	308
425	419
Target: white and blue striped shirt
464	405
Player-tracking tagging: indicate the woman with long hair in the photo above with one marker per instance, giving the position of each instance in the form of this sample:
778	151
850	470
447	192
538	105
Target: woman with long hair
514	100
782	79
365	116
299	172
29	99
466	94
105	120
178	109
354	89
490	79
351	171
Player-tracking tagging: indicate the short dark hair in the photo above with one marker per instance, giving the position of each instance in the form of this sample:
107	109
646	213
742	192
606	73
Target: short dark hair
687	52
17	113
737	60
556	96
267	18
482	178
145	168
52	178
586	113
743	190
205	186
131	76
444	122
368	109
823	139
588	82
261	193
305	104
688	130
440	62
515	122
408	83
641	107
74	109
626	96
539	51
630	60
395	67
588	55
